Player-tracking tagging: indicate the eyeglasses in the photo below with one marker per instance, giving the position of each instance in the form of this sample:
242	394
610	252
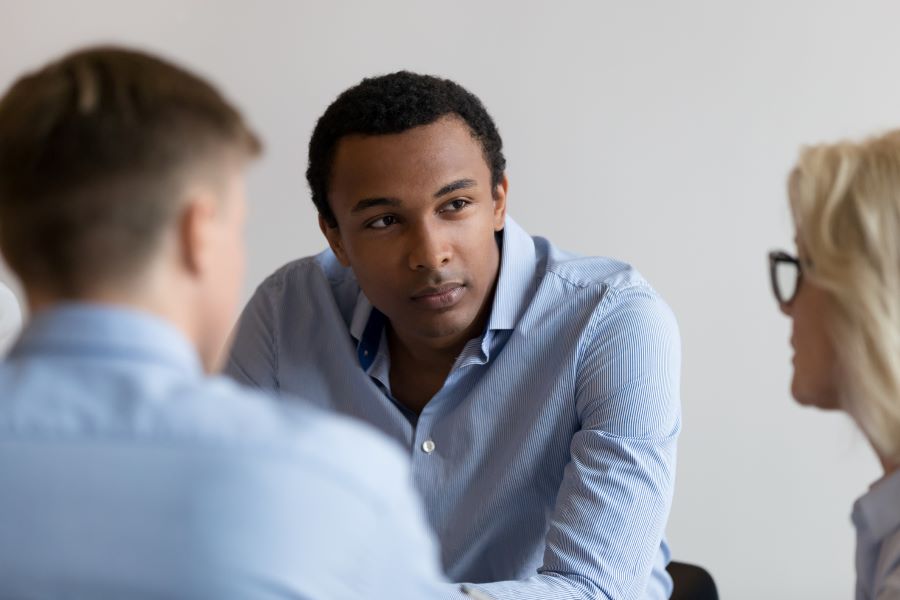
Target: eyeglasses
786	274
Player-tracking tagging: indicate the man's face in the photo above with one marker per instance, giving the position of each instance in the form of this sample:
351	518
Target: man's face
416	220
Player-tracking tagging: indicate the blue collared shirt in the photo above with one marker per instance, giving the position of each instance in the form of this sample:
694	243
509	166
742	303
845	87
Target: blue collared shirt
126	473
547	460
876	516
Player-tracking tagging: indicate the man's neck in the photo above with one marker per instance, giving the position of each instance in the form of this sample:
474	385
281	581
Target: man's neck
419	369
137	296
425	354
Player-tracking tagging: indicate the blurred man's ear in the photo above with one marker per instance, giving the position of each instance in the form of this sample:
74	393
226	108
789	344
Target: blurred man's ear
333	235
196	230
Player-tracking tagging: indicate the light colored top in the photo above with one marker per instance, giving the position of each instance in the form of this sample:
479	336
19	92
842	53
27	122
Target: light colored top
126	473
876	516
547	460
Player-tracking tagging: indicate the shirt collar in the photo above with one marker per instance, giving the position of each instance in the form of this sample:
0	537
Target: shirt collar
876	511
511	298
366	327
361	312
83	329
517	271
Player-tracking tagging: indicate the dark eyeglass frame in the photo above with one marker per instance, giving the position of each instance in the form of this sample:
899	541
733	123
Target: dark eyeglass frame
777	257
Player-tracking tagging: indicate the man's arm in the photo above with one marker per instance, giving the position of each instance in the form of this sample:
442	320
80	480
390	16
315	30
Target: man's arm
611	511
253	356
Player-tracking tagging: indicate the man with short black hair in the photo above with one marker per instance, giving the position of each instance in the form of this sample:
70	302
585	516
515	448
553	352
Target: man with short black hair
124	471
536	391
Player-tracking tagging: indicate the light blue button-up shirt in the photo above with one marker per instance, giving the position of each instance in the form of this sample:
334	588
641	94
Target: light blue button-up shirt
547	460
126	473
876	516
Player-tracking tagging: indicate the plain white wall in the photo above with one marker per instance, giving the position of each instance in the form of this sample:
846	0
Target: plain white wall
658	132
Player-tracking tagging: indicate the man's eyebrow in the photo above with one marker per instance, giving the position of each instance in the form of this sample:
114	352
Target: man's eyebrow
370	202
459	184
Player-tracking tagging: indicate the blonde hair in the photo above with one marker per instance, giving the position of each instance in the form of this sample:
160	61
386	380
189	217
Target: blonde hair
845	198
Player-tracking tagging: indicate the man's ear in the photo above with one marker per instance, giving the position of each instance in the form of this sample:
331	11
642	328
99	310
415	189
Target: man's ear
500	203
333	235
196	232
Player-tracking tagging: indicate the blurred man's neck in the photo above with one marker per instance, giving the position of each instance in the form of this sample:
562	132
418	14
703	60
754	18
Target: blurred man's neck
158	296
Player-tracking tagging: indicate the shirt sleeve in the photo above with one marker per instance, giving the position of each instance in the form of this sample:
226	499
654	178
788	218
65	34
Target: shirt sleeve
608	522
253	357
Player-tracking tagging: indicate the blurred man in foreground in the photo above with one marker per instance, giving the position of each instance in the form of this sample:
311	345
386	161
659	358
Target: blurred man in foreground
126	472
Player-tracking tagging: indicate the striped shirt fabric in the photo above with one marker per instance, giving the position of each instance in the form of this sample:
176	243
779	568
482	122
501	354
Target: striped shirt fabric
546	462
876	517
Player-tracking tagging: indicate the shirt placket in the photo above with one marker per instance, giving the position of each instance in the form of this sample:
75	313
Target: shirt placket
428	453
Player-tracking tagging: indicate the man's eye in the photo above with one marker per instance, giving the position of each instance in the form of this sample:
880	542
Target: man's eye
382	222
457	205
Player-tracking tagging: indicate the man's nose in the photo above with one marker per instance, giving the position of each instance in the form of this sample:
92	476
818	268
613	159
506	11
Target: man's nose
429	249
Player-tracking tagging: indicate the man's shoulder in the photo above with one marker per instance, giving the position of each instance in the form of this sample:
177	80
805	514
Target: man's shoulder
155	409
321	268
565	267
303	283
257	417
583	288
602	293
315	449
592	271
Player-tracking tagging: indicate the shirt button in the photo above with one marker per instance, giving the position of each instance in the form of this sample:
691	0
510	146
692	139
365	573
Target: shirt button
428	446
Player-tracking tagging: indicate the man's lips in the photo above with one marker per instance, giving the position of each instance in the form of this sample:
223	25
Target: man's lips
441	296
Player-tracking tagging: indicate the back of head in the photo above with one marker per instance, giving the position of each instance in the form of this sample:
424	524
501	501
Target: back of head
93	150
846	203
390	104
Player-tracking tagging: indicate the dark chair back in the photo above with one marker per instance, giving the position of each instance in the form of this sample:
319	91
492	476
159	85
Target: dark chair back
691	582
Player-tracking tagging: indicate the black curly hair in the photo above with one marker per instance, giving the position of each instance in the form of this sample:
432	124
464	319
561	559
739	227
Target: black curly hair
395	103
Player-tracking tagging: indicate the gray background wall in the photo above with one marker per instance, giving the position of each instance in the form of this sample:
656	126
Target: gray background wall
658	132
